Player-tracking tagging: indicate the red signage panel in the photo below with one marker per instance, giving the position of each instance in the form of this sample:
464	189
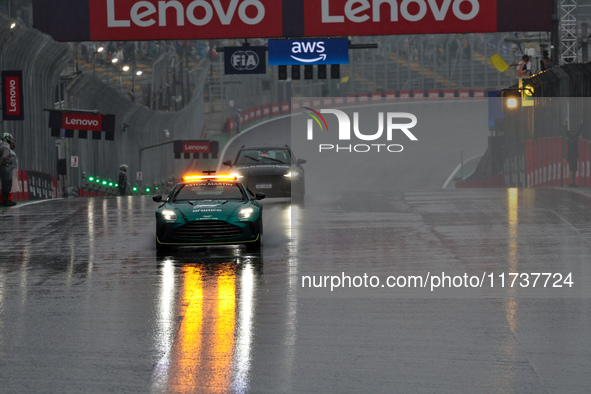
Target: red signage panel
360	18
111	20
81	121
12	95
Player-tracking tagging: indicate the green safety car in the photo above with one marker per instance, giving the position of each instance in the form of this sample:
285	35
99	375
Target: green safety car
207	210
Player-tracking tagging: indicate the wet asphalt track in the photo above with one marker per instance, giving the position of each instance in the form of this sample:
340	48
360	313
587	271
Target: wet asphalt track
87	305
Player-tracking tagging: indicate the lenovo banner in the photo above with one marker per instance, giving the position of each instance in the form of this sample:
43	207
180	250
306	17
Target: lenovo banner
63	123
82	121
12	95
115	20
362	18
196	149
195	146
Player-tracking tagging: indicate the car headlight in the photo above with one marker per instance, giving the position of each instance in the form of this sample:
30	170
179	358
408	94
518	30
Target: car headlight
245	213
168	215
291	174
237	175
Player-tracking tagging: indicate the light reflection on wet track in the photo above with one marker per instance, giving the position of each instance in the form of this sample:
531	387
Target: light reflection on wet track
88	305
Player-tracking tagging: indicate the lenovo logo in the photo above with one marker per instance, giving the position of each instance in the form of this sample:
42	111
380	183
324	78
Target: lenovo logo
358	11
80	121
183	19
197	13
195	147
382	17
12	96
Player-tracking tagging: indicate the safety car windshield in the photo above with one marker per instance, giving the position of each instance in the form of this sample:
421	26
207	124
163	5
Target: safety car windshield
259	156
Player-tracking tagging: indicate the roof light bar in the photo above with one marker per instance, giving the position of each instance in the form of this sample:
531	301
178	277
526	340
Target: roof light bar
191	177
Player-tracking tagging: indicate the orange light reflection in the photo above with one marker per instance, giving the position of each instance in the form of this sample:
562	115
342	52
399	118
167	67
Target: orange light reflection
203	353
188	347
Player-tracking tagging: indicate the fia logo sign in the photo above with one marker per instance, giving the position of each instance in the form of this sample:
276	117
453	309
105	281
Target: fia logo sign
245	60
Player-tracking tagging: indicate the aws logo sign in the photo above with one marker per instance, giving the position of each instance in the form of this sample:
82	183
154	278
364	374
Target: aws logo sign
313	48
390	125
296	52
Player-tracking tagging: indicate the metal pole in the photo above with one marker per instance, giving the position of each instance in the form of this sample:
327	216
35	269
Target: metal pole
448	63
434	54
422	64
397	63
584	43
555	33
472	62
149	147
485	68
409	58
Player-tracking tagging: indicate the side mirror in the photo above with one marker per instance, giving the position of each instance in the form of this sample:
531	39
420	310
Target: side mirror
260	196
227	163
301	161
157	198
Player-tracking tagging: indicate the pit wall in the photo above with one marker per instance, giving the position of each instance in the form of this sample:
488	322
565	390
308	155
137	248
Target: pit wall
538	163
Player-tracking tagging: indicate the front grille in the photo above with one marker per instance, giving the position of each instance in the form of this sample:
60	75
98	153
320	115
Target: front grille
207	229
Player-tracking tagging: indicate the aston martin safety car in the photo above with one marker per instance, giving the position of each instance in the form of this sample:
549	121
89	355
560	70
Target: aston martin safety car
207	210
273	170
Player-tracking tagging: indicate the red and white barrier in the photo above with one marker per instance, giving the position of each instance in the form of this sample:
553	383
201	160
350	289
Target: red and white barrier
48	189
274	109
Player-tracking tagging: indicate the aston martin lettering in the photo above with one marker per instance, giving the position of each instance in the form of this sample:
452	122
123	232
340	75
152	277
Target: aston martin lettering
210	184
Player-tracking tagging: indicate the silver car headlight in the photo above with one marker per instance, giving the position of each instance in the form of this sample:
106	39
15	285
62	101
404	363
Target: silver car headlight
168	215
291	174
245	213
